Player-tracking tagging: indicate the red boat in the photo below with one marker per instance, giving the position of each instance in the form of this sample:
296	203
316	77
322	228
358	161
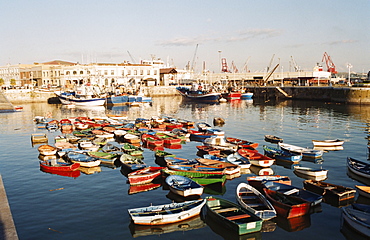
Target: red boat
143	187
171	126
287	206
257	181
256	158
208	150
242	143
151	140
145	175
53	165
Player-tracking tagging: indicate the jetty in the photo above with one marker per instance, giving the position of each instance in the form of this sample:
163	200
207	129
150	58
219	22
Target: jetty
7	227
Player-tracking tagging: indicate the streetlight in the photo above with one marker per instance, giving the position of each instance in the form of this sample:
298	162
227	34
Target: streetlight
219	56
349	66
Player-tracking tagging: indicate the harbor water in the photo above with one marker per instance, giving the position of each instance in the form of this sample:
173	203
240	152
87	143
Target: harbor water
94	203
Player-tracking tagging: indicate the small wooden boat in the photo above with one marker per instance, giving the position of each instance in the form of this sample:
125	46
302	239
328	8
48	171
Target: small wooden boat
144	175
83	159
357	219
230	168
151	140
306	152
131	163
39	138
54	165
105	158
47	150
132	149
208	150
287	206
196	170
219	142
256	158
312	198
281	155
273	139
358	167
327	143
131	138
242	143
233	216
251	199
329	191
314	172
183	186
143	187
167	213
203	180
363	190
160	156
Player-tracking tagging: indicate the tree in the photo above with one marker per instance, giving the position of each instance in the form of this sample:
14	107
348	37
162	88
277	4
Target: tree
12	82
2	81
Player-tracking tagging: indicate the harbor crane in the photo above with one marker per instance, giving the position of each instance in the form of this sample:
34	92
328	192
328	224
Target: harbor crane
224	67
132	59
269	66
193	62
266	78
245	68
234	69
296	67
329	63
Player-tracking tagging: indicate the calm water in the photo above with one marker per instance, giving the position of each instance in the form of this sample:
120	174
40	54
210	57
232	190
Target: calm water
94	205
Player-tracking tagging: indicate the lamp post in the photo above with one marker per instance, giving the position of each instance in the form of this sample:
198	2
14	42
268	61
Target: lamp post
219	58
349	66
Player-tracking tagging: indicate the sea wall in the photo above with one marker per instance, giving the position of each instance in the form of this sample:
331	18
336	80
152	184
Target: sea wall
349	95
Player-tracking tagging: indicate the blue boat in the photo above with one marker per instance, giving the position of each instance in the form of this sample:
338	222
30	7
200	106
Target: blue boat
247	95
198	95
281	155
126	99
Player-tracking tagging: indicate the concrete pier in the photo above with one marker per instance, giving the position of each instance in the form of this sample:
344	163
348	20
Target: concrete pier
7	227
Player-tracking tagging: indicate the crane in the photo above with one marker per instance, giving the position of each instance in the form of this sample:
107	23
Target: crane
234	69
296	67
329	63
246	65
224	65
266	78
193	62
132	59
272	58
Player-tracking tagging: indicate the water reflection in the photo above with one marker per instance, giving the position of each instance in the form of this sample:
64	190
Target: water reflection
294	224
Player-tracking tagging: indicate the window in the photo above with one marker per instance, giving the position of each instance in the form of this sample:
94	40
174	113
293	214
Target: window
112	72
67	73
128	72
135	72
148	72
81	72
155	72
105	72
74	72
141	72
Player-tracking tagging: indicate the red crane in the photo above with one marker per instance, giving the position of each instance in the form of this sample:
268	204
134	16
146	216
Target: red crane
224	67
329	63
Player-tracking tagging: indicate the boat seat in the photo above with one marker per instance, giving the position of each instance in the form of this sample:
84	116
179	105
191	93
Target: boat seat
255	205
294	190
248	197
226	210
238	217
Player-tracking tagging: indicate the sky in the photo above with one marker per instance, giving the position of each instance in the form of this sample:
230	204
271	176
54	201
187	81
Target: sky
251	34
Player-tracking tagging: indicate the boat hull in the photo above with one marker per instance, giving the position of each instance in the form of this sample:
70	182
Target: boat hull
198	96
80	102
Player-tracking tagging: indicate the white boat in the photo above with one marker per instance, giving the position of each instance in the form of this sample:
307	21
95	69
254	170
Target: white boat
311	171
306	152
79	100
183	186
251	199
327	143
47	150
219	142
358	220
83	159
167	213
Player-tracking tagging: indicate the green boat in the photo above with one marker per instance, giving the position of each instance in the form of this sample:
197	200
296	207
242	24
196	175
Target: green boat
160	155
204	179
232	216
105	158
132	150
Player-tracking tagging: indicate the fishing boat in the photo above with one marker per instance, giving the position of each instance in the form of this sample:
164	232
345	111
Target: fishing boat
167	213
273	139
358	167
313	198
219	142
39	138
105	158
230	168
83	159
183	186
144	175
258	181
242	143
234	217
357	219
143	187
205	179
246	95
160	156
329	191
327	143
287	206
306	152
132	149
198	95
363	190
131	163
281	155
256	158
313	172
79	100
196	170
251	199
54	165
47	150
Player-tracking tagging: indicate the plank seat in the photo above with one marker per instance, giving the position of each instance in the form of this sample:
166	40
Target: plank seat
226	210
248	197
236	217
255	205
294	190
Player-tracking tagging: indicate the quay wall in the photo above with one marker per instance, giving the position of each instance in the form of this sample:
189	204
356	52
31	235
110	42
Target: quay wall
350	95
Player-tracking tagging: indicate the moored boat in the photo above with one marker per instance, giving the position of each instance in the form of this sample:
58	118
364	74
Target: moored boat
256	158
287	206
83	159
51	165
281	155
167	213
313	172
68	98
47	150
357	219
358	167
329	190
273	139
144	175
198	95
251	199
306	152
237	219
205	179
183	186
363	190
327	143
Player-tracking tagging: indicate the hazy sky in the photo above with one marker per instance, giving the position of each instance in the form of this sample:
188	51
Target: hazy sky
245	31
